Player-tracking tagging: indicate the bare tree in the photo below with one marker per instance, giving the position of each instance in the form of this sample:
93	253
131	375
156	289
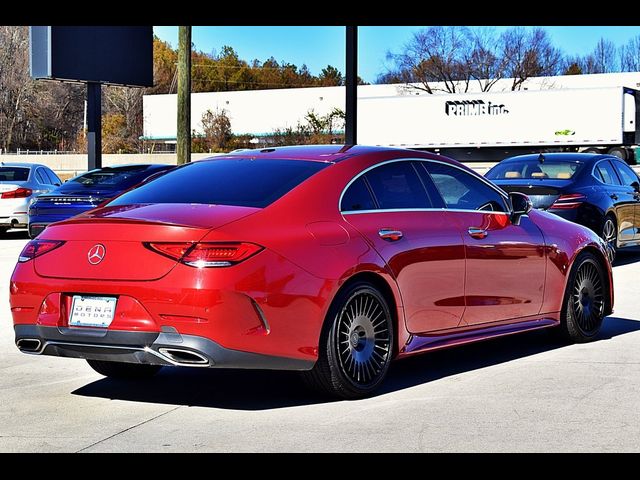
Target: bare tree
437	54
486	64
127	101
630	55
15	84
528	53
604	57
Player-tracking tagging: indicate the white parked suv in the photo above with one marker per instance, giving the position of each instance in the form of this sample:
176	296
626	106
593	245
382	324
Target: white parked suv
19	184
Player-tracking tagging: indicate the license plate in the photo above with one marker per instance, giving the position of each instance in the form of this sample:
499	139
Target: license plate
89	311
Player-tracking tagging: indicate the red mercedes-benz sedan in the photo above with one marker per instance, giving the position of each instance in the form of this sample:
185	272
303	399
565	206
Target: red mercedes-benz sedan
330	260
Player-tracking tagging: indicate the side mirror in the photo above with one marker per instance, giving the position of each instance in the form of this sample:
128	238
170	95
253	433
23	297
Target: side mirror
636	186
520	205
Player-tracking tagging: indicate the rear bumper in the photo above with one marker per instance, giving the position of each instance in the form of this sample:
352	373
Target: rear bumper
14	212
19	220
266	305
167	347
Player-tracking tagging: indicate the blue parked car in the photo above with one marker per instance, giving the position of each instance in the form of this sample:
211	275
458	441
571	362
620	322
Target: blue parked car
87	191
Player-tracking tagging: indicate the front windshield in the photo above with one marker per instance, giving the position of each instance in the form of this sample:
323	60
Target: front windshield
534	170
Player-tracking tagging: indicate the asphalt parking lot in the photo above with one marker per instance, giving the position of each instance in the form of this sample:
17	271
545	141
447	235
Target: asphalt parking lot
524	393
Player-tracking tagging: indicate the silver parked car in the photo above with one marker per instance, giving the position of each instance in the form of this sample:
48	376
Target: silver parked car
20	183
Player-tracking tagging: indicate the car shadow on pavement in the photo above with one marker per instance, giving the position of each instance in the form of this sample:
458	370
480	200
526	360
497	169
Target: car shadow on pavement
627	256
264	390
15	235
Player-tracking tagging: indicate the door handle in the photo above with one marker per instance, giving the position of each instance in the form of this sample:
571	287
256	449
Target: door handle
390	234
479	233
614	196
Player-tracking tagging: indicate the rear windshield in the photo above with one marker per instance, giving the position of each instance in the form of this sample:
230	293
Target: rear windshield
533	169
13	174
121	177
241	182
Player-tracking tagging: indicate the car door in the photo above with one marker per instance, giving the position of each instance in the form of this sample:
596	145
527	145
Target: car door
622	198
408	226
631	184
505	263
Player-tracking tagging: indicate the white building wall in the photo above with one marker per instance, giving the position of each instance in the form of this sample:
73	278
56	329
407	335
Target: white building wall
260	112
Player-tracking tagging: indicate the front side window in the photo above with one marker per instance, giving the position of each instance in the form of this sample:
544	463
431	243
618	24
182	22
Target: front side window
627	175
462	191
397	185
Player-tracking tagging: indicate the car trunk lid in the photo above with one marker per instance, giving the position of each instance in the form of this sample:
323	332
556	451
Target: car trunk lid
122	232
542	195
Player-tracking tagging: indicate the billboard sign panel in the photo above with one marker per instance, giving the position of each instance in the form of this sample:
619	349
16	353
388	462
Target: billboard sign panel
113	55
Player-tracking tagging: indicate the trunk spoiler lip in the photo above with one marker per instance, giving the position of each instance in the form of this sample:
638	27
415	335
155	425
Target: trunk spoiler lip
89	218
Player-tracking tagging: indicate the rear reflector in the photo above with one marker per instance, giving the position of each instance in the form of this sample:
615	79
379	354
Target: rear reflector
206	254
566	202
35	248
19	193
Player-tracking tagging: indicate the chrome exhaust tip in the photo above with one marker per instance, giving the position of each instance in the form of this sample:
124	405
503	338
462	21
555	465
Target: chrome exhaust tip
29	345
183	357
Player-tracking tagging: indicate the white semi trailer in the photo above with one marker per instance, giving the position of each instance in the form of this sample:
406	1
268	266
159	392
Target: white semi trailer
492	126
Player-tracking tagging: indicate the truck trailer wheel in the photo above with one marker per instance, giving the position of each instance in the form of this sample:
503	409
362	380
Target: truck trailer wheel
592	150
620	152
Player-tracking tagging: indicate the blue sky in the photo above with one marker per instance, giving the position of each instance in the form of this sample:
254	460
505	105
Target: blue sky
318	46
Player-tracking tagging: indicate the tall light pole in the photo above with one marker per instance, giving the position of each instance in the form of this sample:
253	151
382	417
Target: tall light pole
351	85
183	146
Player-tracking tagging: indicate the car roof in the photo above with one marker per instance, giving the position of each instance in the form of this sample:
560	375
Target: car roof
21	164
319	153
560	157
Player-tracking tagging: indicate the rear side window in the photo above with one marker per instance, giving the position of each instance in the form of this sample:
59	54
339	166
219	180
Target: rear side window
397	185
238	181
606	174
53	178
462	191
13	174
42	177
357	197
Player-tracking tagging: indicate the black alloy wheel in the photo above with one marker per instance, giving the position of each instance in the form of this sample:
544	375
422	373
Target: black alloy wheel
610	236
363	337
585	299
356	345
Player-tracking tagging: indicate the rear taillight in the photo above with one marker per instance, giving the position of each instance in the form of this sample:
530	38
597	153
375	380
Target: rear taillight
565	202
206	254
35	248
19	193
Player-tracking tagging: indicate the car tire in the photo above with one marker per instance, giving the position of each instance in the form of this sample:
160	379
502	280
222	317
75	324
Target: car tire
584	300
356	344
124	371
609	234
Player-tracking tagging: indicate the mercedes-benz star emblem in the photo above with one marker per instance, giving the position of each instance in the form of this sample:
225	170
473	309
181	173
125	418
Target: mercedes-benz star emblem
96	254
